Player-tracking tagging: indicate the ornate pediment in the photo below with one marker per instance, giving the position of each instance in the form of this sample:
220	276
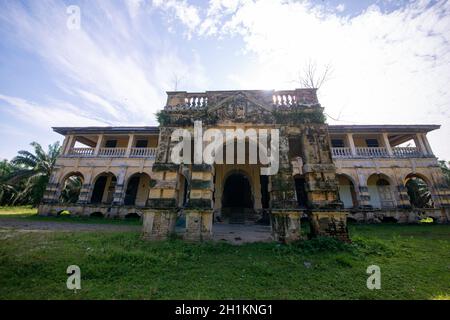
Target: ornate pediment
241	108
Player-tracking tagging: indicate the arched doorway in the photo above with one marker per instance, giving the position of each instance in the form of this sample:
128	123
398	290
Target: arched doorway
138	188
347	192
418	192
380	191
237	199
71	187
104	187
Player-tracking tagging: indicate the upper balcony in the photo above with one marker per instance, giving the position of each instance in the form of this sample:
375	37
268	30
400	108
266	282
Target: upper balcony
384	141
109	142
282	98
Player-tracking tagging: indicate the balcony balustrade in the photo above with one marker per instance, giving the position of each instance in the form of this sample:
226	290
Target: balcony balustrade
80	152
143	153
406	152
112	153
372	152
376	152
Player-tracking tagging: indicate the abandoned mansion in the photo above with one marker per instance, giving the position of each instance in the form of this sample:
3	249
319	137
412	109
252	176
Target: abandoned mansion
324	174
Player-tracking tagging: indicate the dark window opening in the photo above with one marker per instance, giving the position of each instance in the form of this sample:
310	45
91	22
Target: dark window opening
372	143
300	189
132	190
110	143
141	143
337	143
99	189
295	148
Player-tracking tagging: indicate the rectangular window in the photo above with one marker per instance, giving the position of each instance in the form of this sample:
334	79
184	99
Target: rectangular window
372	143
141	143
110	143
337	143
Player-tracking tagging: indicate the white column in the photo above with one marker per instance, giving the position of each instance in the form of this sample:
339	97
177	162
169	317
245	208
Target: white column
130	145
351	143
427	144
69	145
99	144
419	144
387	144
64	145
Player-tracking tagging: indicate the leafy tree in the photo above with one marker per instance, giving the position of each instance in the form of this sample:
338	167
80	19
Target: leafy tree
33	172
419	193
7	191
445	167
71	190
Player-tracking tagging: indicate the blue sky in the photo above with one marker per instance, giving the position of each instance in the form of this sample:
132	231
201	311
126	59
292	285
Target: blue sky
390	60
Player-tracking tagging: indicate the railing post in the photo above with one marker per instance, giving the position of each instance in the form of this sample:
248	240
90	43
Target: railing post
351	144
130	144
387	144
98	145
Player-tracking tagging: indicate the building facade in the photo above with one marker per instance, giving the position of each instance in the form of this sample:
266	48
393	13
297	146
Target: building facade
328	174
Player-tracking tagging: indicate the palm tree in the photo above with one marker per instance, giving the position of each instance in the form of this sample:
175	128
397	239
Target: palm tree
419	194
7	191
71	189
34	172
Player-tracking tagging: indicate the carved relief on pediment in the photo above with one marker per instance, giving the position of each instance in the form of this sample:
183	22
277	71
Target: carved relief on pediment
241	109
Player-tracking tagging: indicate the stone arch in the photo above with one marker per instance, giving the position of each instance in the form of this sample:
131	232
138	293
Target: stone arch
237	195
347	190
381	191
104	185
137	189
419	190
70	187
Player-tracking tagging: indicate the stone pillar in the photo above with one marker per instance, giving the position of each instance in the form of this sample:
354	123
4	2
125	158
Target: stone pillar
64	145
130	145
285	216
85	192
419	144
119	191
427	144
387	144
403	197
70	144
198	224
199	211
159	221
330	224
158	224
326	213
363	191
99	144
51	193
285	225
351	144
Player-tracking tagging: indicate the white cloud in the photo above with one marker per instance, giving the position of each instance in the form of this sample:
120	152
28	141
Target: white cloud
389	67
340	7
46	116
112	66
187	14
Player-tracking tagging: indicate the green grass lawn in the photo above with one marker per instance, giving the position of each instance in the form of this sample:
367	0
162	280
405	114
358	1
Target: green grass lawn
414	262
29	213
